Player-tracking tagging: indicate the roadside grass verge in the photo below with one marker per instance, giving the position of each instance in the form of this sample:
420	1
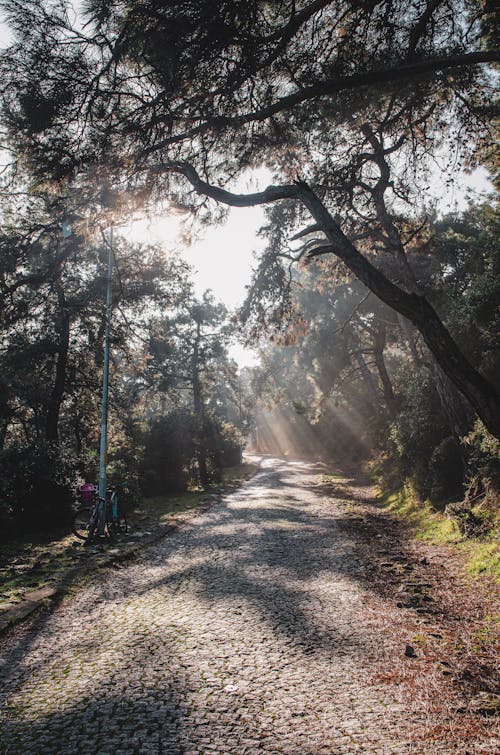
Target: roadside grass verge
482	554
159	509
33	562
28	564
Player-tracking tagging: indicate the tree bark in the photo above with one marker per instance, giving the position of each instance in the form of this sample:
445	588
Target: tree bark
450	401
480	393
408	337
367	376
4	426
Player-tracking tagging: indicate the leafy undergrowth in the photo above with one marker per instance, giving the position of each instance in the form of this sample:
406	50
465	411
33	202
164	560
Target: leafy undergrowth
30	563
443	624
482	554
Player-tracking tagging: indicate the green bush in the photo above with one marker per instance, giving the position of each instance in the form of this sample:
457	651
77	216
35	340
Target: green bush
446	472
483	464
174	444
36	484
169	450
468	521
416	431
224	443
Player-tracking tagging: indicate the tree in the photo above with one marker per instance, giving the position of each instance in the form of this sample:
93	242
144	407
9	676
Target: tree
52	294
188	352
158	91
317	378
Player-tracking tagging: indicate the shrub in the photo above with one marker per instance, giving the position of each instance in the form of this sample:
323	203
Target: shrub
483	464
169	449
174	445
416	431
36	485
223	443
446	472
468	521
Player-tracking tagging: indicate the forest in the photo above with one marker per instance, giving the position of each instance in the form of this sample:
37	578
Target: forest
374	311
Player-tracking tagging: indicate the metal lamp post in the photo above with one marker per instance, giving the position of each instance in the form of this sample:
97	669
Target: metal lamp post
103	454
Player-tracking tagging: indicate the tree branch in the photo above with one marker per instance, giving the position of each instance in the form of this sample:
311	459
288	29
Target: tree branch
405	70
415	307
271	194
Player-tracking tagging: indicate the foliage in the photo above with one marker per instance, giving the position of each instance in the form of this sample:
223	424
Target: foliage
169	451
350	105
446	471
347	103
36	485
479	511
475	536
483	464
52	295
485	561
365	385
172	447
417	429
225	69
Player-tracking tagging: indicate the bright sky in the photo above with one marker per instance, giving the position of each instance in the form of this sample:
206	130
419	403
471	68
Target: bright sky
223	257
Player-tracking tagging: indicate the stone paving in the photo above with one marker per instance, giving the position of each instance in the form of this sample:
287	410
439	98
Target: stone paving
245	632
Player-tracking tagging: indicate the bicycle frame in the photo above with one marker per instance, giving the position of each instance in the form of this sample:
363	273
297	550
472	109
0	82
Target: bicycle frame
114	518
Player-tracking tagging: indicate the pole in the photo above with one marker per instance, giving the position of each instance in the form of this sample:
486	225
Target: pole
103	455
241	418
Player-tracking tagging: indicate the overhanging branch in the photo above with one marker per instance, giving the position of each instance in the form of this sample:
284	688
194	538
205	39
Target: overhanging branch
271	194
481	394
402	71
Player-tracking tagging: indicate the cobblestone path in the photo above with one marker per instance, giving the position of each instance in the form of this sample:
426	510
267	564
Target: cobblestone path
247	631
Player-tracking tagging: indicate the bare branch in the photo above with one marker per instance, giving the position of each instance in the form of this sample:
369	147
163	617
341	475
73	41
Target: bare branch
306	231
271	194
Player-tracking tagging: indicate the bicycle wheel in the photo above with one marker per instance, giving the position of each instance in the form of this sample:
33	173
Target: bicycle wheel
85	522
118	525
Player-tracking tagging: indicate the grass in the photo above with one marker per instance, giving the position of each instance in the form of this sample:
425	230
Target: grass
159	509
239	473
482	555
29	563
333	477
483	558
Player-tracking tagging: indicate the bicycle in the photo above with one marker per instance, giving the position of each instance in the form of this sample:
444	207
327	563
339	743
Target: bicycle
86	518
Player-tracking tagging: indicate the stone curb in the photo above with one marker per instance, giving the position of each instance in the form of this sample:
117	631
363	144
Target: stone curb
37	599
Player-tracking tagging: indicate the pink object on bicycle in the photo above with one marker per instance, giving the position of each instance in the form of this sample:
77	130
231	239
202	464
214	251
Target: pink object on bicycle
86	492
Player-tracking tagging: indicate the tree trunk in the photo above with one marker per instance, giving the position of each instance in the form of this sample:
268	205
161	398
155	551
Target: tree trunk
57	393
450	401
4	426
378	353
407	335
367	376
481	394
